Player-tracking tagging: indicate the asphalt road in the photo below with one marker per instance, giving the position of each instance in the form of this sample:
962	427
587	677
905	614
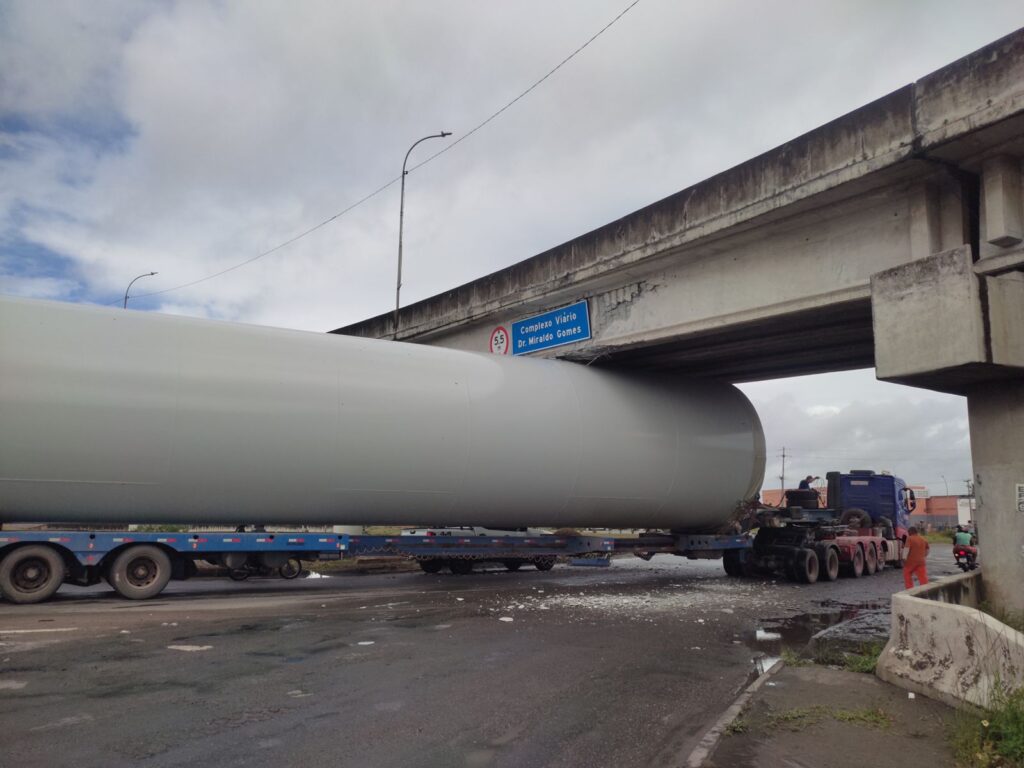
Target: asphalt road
575	667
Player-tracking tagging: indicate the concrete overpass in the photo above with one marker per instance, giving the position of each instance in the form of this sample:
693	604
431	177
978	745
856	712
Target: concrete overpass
890	237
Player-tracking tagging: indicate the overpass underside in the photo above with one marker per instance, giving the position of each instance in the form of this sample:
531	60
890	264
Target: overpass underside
833	338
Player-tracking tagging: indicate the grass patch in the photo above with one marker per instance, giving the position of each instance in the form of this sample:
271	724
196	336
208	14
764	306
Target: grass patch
798	718
873	717
793	659
865	660
1010	619
939	537
994	738
737	726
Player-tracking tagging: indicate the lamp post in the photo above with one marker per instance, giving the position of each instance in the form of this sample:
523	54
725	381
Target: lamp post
148	274
401	220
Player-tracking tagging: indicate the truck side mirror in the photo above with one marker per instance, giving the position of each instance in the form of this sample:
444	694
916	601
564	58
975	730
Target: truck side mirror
911	500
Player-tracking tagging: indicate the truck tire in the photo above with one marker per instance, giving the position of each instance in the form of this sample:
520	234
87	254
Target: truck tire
880	560
292	569
855	518
544	563
140	572
461	566
31	574
830	565
512	565
806	566
870	560
856	566
732	563
433	565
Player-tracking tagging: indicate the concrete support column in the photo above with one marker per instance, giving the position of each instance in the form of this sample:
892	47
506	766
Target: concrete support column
996	412
941	325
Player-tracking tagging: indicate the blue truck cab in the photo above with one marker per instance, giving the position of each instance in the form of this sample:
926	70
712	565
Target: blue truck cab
886	498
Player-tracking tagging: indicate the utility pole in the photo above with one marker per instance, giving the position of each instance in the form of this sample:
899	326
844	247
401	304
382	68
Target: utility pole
148	274
782	477
401	221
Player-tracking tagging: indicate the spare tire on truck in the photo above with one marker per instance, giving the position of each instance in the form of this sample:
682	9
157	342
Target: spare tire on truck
856	518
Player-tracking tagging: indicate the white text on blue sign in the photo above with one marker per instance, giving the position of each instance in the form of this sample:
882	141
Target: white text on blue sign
551	329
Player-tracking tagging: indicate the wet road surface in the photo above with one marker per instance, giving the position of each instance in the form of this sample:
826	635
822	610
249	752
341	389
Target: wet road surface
577	666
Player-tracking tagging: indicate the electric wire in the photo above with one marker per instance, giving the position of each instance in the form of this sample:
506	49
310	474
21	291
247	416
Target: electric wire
393	181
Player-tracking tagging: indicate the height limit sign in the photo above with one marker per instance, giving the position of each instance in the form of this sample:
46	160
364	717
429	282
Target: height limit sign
499	341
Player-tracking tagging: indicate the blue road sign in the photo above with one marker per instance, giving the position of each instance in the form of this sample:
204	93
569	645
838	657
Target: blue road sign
552	329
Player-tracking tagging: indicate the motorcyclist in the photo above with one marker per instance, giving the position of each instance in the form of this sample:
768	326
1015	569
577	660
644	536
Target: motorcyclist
963	539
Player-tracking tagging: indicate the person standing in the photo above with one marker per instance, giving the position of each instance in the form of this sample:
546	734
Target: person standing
805	484
914	562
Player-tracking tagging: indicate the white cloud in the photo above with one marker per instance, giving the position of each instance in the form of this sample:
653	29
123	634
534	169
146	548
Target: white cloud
251	121
850	420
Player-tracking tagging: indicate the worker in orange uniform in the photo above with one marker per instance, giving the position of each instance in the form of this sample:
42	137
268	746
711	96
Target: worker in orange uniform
913	564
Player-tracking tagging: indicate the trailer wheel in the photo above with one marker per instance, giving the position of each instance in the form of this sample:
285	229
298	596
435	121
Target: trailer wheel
31	574
732	563
544	563
830	566
461	566
870	560
291	569
857	564
512	565
805	566
432	566
880	560
140	572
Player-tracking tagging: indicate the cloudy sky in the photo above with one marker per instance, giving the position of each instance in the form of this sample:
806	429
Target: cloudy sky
187	138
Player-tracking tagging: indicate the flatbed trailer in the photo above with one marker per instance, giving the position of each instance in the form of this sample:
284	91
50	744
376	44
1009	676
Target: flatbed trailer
138	565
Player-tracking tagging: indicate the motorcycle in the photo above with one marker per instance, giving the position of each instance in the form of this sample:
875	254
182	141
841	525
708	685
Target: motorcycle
966	557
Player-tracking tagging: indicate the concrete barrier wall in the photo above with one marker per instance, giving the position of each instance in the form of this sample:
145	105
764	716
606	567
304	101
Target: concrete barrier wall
942	646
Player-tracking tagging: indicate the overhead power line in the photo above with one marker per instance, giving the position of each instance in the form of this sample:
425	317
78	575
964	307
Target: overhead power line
383	187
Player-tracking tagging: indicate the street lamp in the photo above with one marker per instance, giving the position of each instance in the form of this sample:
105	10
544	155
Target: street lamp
401	218
148	274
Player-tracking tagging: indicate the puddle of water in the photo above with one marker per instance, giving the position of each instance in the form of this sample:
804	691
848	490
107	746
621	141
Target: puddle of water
795	632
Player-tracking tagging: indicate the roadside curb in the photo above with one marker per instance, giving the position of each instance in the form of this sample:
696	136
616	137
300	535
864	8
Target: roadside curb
710	739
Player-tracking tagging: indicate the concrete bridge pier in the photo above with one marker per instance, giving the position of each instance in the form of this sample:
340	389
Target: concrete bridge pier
954	322
996	412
